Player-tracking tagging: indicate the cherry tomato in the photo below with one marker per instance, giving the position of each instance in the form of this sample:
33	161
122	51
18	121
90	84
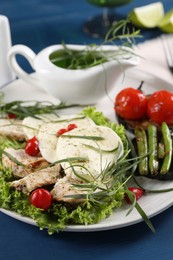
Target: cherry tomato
131	104
71	127
61	131
11	116
32	147
160	107
137	191
41	198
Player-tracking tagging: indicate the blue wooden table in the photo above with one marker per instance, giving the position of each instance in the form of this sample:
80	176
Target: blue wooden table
37	24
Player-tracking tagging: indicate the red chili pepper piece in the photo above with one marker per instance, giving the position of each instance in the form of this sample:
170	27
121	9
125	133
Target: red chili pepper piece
137	191
61	131
71	127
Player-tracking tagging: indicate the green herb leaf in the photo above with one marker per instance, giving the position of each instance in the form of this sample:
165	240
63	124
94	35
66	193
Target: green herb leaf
89	137
101	150
70	159
12	158
22	110
145	218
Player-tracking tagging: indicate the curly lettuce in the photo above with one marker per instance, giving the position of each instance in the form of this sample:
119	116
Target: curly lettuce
58	216
6	142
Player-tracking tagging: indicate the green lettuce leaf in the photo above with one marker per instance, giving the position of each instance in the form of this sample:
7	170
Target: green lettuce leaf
6	142
59	216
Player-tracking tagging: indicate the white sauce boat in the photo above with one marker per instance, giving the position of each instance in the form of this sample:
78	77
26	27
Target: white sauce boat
80	86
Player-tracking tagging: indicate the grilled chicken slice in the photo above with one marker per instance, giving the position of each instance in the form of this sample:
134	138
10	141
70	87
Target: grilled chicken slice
12	128
38	179
31	163
64	187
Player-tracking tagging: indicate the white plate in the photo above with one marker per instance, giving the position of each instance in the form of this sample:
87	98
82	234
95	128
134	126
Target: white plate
152	204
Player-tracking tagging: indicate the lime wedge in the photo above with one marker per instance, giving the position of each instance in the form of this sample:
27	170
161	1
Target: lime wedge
166	23
147	16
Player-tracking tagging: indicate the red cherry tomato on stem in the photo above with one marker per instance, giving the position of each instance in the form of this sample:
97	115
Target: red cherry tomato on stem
160	107
41	198
131	104
137	191
31	147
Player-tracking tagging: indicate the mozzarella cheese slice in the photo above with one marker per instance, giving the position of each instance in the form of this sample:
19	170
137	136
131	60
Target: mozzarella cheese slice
99	154
32	125
47	135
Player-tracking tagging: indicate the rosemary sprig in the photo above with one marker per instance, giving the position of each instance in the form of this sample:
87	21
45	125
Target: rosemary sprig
12	123
13	159
68	119
120	31
149	190
80	176
108	178
101	150
139	209
70	159
92	55
102	189
22	110
73	59
88	137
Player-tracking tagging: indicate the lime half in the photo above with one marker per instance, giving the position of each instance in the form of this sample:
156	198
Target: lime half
166	23
147	16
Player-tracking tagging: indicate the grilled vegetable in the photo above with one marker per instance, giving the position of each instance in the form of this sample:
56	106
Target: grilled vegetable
131	104
160	107
152	149
142	147
168	149
155	151
161	150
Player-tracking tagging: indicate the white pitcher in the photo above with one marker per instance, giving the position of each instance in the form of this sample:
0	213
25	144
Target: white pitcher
6	74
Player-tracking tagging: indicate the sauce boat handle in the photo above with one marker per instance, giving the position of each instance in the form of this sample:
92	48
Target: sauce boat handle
29	55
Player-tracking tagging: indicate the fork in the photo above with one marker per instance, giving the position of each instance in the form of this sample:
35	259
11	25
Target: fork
167	43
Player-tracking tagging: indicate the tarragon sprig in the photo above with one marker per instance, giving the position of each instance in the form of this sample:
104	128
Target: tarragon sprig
23	109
